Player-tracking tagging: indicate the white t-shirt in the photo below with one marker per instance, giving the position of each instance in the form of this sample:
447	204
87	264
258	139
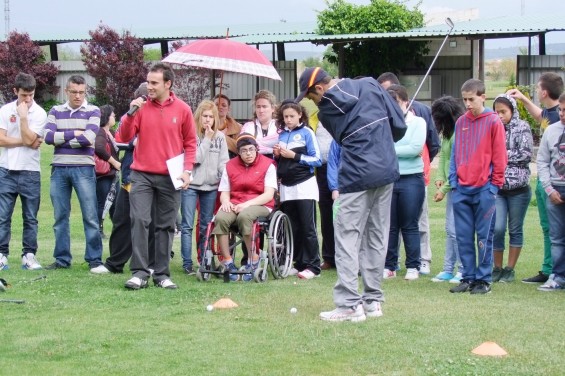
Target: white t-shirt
21	158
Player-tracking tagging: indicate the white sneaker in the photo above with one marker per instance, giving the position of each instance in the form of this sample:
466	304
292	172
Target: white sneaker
136	283
166	284
307	274
354	314
425	267
387	274
457	278
100	269
372	309
411	274
3	262
29	262
293	271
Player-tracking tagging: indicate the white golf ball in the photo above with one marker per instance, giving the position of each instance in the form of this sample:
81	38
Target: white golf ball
293	310
209	308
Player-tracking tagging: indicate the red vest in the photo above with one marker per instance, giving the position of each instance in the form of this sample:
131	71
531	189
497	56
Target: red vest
248	182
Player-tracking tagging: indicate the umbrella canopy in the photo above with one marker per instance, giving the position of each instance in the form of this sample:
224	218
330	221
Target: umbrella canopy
226	55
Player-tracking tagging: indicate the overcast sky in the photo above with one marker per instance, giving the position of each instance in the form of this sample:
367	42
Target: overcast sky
59	16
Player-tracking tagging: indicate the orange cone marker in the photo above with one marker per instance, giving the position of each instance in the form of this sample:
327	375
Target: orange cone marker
489	349
225	303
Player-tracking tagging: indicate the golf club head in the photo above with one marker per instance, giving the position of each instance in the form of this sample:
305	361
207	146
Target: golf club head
449	23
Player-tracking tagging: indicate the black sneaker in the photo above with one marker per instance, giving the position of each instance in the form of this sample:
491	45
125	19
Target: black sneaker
55	265
464	286
496	274
189	271
481	287
540	278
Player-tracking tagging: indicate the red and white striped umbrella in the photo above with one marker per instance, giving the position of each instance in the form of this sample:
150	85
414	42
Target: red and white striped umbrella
226	55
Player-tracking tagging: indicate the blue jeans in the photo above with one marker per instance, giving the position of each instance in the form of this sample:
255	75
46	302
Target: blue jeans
556	216
83	181
407	199
475	215
207	200
451	250
512	209
26	184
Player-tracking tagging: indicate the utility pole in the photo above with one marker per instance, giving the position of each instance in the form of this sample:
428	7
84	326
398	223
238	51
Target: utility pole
7	18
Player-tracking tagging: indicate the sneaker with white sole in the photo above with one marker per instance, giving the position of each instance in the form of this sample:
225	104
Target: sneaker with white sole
550	285
3	262
411	274
353	314
293	271
136	283
166	284
100	269
425	268
456	279
443	277
307	274
372	309
29	262
387	274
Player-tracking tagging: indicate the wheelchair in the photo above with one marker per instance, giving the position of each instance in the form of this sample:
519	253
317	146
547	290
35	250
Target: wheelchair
275	252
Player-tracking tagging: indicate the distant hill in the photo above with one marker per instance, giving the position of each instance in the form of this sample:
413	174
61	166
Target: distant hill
510	52
491	53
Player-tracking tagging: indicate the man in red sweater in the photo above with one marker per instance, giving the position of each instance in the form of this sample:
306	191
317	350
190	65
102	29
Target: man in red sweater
476	173
165	128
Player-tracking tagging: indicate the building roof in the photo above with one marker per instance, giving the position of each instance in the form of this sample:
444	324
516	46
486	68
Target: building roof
285	32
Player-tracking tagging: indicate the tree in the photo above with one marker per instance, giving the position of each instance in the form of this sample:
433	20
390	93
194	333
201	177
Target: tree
116	63
20	54
373	57
192	84
331	68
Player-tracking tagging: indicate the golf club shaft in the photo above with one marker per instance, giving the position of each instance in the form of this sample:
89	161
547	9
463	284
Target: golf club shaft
431	66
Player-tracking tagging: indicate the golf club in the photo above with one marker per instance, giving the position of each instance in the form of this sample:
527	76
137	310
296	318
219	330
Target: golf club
451	25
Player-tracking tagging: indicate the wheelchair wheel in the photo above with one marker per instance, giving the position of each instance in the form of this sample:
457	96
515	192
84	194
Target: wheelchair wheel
281	245
260	275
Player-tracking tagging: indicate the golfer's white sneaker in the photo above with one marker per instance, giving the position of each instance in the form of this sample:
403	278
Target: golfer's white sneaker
372	309
353	314
29	262
3	262
100	269
166	284
136	283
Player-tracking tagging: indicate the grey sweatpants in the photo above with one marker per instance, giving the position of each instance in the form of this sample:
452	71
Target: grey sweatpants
361	228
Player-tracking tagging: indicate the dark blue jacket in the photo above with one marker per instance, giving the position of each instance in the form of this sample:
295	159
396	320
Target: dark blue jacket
365	121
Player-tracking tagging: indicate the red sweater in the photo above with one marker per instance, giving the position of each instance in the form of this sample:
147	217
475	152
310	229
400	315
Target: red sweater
479	151
248	182
163	130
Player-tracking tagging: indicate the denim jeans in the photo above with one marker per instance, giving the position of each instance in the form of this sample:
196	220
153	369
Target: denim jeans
407	199
541	198
475	215
451	257
556	217
26	184
207	201
512	209
83	181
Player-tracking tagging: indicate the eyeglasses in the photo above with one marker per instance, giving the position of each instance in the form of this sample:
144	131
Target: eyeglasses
247	151
74	92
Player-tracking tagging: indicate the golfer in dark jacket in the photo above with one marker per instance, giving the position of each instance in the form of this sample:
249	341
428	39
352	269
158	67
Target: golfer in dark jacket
365	121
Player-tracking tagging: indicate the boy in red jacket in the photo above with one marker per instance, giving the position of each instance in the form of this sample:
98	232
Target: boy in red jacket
476	174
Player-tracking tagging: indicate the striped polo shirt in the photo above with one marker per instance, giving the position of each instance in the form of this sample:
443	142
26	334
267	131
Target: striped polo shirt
62	122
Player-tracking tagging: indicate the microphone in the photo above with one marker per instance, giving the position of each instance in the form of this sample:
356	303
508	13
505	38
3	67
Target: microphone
134	109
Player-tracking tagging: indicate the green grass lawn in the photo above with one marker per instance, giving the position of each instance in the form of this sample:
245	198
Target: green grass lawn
75	323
